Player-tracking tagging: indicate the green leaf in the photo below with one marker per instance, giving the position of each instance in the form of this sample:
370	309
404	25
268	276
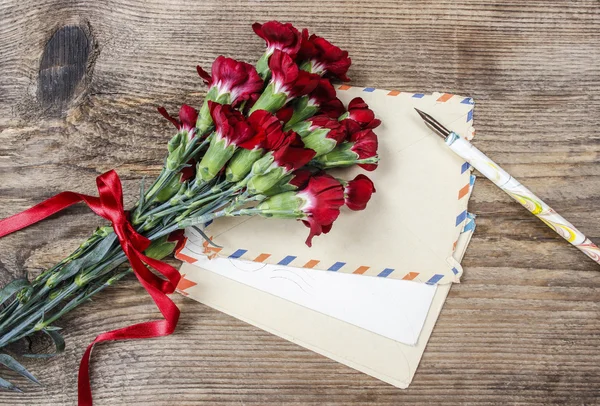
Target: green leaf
11	363
160	248
7	385
59	343
12	288
142	200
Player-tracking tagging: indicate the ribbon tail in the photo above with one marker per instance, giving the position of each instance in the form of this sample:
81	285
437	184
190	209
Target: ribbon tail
43	210
108	184
150	329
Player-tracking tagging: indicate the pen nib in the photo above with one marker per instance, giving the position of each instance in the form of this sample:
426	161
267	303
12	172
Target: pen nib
434	124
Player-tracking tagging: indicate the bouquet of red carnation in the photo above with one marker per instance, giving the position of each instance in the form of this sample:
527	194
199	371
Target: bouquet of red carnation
260	144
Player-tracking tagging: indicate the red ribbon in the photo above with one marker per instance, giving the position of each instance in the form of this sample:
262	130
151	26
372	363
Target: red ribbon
109	205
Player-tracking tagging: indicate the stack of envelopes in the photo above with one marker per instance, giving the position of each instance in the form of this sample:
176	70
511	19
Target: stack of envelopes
367	294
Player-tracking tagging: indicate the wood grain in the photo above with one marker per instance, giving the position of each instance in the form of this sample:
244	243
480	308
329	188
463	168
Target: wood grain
522	328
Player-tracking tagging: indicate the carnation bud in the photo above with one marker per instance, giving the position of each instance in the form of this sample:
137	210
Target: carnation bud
103	231
175	158
175	142
168	191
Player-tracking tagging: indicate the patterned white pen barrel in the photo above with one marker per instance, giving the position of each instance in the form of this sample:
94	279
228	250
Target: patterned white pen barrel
521	194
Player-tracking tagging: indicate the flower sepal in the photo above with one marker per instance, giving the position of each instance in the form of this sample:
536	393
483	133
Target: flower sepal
176	156
283	205
320	133
318	141
260	183
262	65
241	164
217	155
269	100
303	109
293	181
339	157
205	121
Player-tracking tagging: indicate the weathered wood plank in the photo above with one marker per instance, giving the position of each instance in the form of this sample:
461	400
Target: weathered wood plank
524	325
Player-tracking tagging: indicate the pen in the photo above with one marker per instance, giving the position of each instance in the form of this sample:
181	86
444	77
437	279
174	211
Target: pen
513	188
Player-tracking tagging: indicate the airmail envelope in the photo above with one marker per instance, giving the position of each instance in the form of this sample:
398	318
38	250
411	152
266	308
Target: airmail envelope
391	354
358	340
409	228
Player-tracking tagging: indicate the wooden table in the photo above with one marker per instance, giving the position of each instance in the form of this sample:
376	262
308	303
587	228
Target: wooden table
79	84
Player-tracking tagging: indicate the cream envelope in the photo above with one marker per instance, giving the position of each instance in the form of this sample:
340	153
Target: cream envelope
392	308
381	357
411	224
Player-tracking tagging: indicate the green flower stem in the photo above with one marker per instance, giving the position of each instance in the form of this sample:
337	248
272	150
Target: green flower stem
41	279
67	272
114	259
168	207
193	209
45	292
81	250
9	309
167	175
9	336
47	304
163	179
84	296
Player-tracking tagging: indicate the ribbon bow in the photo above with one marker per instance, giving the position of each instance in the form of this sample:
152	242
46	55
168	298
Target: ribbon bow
109	205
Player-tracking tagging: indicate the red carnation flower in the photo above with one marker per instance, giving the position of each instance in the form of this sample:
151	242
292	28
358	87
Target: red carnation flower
333	108
300	178
288	79
352	127
291	153
323	92
323	196
337	131
358	192
284	37
365	146
239	79
284	114
325	58
268	131
359	112
187	119
230	124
